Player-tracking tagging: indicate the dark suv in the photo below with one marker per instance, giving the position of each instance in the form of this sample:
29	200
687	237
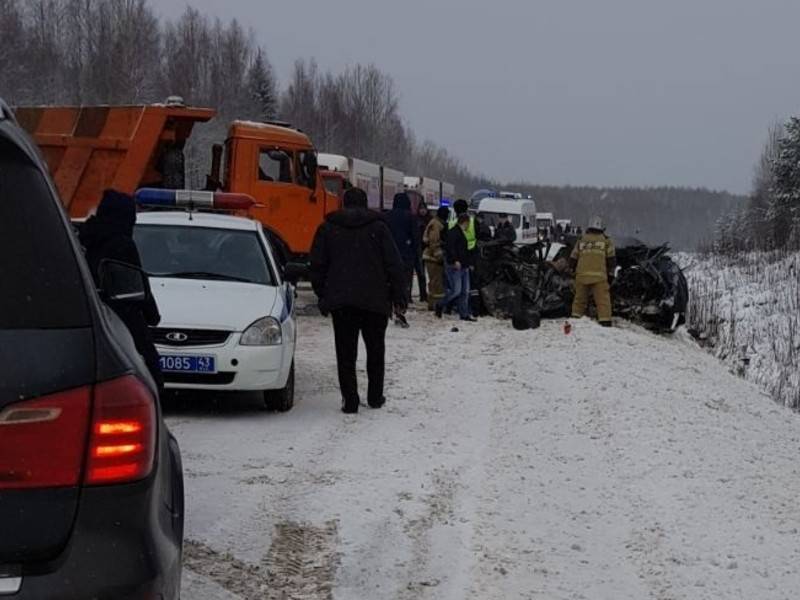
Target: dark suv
91	484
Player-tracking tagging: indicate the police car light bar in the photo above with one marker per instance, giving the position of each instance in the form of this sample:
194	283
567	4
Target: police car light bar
193	199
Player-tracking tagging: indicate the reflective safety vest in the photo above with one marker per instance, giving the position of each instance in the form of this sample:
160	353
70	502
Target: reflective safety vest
592	251
472	237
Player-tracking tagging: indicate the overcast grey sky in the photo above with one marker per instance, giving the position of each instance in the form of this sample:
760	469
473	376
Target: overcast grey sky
604	92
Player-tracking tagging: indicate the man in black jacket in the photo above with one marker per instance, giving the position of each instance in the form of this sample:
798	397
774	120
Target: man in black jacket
359	277
457	262
108	235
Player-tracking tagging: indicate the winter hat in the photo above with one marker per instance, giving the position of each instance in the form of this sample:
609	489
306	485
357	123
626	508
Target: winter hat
118	208
354	198
402	201
443	213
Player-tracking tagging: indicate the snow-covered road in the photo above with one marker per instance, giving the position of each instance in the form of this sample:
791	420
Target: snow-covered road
608	464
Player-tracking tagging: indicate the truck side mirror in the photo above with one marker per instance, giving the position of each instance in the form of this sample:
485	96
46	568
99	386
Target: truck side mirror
120	281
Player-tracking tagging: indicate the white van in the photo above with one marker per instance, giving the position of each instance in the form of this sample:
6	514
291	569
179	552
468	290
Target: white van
522	214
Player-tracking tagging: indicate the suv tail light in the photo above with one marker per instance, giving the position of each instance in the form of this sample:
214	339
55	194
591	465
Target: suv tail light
123	436
42	441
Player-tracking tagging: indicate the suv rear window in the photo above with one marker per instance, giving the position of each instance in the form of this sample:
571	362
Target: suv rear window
42	287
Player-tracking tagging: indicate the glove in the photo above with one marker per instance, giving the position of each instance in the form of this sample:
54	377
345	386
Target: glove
400	308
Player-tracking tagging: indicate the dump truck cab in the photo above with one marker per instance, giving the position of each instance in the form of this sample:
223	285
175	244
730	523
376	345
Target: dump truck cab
277	165
91	148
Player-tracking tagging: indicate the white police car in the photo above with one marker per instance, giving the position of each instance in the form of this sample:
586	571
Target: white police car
227	316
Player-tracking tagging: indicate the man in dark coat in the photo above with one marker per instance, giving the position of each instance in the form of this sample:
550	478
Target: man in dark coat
358	276
108	235
422	219
405	233
457	270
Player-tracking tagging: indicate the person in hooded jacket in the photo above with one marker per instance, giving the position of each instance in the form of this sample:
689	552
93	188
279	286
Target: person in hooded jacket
359	277
108	235
404	232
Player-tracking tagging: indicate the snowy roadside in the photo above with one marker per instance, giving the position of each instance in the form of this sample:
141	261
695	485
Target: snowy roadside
746	309
605	464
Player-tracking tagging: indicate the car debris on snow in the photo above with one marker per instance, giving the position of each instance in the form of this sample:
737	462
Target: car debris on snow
533	282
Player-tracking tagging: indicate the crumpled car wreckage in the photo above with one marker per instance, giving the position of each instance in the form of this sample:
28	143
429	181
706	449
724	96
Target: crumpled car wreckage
533	282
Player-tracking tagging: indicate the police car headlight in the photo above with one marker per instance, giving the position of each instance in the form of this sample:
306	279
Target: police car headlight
264	332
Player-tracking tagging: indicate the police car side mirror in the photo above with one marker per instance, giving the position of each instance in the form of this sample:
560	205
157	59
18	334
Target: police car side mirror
294	272
121	282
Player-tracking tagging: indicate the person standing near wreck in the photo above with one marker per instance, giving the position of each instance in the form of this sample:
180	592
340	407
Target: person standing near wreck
457	270
358	276
433	241
594	261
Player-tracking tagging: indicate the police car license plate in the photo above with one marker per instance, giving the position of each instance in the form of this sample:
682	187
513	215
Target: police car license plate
187	364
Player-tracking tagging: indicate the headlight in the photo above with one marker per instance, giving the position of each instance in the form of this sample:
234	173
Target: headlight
264	332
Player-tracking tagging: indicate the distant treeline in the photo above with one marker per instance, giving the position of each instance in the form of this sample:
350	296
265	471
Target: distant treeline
119	51
681	217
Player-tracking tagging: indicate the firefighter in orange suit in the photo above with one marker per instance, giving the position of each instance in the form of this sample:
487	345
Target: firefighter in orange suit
594	262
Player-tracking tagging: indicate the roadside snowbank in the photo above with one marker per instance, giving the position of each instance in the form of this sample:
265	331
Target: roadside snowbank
746	309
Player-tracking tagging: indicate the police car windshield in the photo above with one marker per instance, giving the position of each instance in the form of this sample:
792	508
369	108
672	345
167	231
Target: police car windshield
203	253
492	219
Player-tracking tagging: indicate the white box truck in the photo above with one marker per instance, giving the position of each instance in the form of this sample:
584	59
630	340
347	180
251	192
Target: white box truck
428	189
392	182
447	194
360	173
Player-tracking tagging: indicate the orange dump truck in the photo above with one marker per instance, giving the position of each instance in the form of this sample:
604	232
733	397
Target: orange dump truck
89	149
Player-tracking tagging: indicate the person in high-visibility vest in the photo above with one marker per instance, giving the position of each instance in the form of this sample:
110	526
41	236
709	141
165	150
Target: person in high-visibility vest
461	207
594	261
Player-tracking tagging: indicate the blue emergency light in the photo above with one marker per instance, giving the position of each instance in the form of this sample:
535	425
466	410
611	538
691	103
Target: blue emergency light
444	202
193	199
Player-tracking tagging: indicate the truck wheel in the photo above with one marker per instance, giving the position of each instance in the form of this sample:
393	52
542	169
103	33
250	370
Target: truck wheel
281	400
173	169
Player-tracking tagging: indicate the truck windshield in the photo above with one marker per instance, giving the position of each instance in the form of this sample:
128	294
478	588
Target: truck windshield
275	166
203	253
492	219
333	185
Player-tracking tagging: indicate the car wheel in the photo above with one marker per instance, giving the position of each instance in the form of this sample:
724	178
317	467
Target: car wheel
281	400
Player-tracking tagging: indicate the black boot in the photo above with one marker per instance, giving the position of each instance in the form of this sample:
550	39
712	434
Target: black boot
377	403
350	407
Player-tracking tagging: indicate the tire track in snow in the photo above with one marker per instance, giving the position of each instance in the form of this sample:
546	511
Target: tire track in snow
300	565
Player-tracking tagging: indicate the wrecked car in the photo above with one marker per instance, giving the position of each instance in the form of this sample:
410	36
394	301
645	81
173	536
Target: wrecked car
528	283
